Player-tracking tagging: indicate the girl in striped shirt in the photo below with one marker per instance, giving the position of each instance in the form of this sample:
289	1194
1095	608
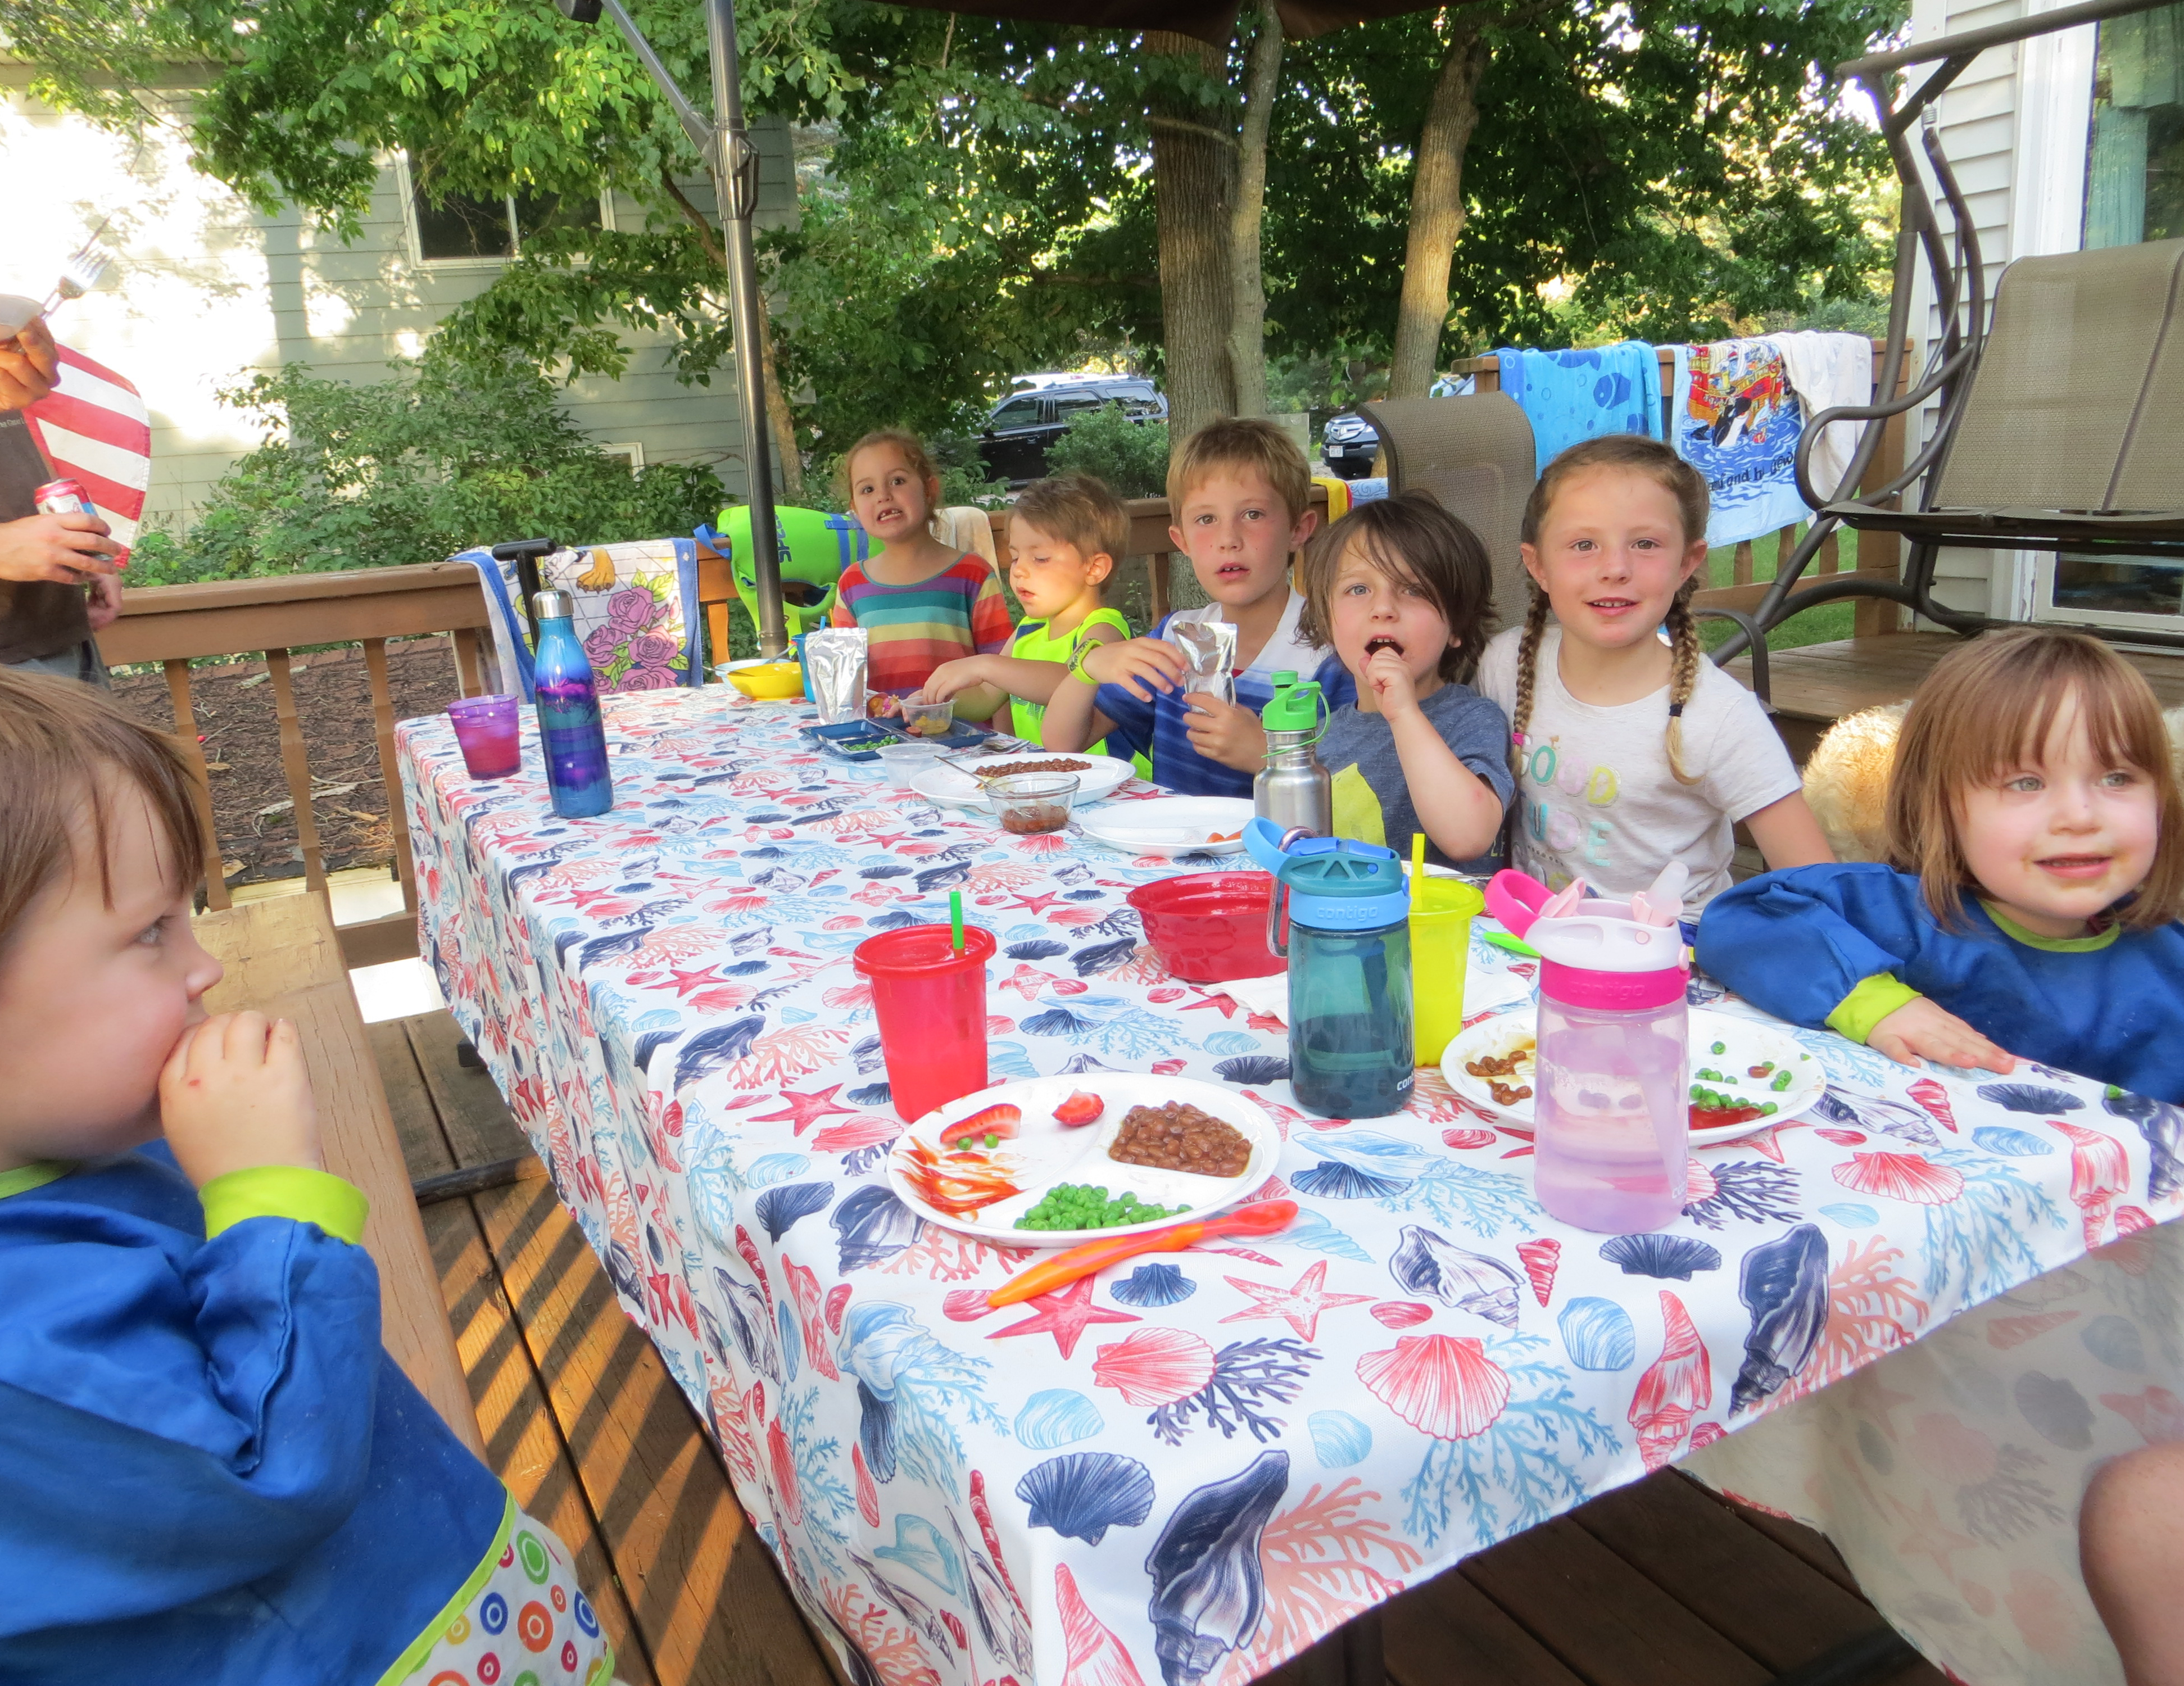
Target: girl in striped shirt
921	601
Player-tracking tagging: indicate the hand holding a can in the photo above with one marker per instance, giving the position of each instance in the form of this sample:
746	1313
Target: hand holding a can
62	549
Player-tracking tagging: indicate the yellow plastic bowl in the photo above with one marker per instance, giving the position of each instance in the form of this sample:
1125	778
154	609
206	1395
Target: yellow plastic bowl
771	681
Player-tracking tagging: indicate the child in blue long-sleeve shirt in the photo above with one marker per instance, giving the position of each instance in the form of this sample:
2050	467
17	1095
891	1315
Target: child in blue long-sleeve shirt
209	1470
2028	910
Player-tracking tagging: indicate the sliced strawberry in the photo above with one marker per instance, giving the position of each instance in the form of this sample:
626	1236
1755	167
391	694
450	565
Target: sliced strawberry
998	1122
1079	1109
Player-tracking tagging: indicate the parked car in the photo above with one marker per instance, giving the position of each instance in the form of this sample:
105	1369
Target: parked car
1349	445
1023	427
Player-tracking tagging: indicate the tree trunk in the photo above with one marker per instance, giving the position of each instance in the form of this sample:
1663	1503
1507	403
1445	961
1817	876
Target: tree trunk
1194	169
1247	284
1437	207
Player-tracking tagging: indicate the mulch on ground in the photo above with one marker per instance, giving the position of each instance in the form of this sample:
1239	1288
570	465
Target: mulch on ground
252	810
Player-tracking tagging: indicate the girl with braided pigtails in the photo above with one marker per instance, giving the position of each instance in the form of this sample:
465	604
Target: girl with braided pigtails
1630	748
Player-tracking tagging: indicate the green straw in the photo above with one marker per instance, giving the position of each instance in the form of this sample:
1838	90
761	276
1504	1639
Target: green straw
955	918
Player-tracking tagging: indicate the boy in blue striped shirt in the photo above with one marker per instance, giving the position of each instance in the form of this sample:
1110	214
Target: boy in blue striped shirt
1238	490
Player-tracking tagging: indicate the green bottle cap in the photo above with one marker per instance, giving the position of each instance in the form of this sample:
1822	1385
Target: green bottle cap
1294	706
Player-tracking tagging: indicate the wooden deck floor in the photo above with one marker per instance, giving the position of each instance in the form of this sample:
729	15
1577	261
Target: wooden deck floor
1814	686
1661	1583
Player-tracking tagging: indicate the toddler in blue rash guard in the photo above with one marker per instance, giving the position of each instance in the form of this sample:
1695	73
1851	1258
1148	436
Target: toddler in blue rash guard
2029	909
209	1470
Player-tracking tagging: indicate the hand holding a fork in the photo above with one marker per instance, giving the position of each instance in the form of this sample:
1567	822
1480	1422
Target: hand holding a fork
29	366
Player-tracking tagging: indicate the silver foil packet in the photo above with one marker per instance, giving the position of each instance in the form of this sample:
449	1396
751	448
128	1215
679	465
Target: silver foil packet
834	657
1210	647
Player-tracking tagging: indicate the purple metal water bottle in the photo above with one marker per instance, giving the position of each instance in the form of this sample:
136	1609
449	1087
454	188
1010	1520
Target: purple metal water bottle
570	729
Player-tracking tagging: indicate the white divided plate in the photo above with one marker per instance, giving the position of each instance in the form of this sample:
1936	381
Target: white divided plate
1169	826
1046	1153
952	788
1746	1043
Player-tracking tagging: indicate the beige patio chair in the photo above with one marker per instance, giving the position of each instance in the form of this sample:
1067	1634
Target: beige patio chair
1475	455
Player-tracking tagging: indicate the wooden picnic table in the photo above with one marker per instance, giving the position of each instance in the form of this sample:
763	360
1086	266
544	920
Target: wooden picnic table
1193	1472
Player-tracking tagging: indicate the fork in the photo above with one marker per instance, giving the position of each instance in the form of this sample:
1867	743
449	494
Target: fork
79	273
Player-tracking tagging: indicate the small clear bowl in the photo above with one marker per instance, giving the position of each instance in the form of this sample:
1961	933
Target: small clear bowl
1029	804
927	719
903	763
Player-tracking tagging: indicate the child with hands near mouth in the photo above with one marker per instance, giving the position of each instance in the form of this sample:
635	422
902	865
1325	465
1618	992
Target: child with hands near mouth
2033	781
1065	535
1630	752
209	1469
1239	488
922	603
1403	590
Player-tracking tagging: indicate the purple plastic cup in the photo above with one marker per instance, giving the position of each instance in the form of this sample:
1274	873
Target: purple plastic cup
485	731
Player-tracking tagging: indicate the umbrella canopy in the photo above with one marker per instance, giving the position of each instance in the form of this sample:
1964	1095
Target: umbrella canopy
1212	21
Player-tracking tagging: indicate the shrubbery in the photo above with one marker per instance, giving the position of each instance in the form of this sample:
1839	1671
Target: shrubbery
444	456
1130	456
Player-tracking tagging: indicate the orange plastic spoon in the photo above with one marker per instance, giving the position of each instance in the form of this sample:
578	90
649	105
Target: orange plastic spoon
1264	1217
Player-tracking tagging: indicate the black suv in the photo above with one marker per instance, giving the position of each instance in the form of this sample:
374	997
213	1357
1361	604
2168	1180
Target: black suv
1024	425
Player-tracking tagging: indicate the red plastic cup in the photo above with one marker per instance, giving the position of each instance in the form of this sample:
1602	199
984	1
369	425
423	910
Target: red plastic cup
485	732
1208	927
931	1001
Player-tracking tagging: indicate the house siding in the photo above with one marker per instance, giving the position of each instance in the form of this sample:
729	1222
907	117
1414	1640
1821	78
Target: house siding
206	290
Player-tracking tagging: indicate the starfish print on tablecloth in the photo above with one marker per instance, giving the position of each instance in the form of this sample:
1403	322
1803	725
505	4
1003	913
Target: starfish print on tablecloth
1039	904
1299	1306
805	1109
1928	1536
1064	1315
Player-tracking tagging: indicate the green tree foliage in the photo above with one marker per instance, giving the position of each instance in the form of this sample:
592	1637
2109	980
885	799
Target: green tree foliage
443	457
1130	456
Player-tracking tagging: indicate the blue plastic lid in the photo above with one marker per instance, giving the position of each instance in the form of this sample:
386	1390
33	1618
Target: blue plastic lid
1335	883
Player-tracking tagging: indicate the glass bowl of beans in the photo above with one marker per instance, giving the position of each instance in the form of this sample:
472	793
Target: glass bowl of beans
1029	804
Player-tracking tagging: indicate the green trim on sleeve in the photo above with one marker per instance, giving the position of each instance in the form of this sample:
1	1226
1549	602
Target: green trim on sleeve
35	1175
1875	1000
415	1652
287	1191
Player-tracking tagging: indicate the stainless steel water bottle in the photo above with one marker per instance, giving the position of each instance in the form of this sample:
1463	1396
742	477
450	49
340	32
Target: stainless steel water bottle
1293	791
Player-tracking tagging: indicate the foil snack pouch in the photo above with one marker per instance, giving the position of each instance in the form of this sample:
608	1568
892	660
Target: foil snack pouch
835	657
1210	647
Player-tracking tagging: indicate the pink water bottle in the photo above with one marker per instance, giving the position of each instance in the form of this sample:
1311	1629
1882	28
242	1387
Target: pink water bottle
1612	1084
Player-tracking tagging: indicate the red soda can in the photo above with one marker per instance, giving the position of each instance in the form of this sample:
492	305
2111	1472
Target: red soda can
63	497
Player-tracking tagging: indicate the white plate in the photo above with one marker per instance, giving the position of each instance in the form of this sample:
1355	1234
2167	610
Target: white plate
1747	1042
1046	1153
1170	827
952	788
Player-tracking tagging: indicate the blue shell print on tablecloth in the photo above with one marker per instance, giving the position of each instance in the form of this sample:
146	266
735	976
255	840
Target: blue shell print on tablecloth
873	1225
1598	1334
1154	1285
922	1548
1311	1231
750	1323
2162	1124
1085	1494
2058	1411
1339	1438
2116	1341
775	1168
1662	1257
1870	1112
2000	1138
780	1208
1783	1284
2030	1098
1059	1416
1332	1180
1209	1590
1428	1266
1254	1068
1851	1215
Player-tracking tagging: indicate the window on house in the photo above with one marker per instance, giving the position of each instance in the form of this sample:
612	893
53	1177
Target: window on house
459	228
2135	163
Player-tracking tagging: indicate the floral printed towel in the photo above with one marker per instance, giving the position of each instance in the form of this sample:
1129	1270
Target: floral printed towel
635	611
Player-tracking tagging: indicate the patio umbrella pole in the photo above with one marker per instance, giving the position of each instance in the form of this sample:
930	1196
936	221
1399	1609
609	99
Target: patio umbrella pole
726	145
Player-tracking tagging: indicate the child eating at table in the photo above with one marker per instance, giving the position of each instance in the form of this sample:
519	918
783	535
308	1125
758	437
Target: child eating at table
210	1471
1403	590
1237	490
922	603
1065	535
1630	752
2029	905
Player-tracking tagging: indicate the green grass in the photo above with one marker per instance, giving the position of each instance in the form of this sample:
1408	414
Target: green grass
1820	626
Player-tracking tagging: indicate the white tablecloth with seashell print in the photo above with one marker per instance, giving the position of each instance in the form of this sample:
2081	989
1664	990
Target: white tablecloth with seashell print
1190	1469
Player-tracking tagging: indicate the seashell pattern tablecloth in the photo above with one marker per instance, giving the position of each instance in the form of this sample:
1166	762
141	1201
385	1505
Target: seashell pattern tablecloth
1190	1469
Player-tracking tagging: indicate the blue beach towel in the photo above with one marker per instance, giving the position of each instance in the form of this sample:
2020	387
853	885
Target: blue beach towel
1737	420
1572	396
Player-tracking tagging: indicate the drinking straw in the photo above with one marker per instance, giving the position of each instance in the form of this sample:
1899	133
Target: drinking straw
1417	854
955	918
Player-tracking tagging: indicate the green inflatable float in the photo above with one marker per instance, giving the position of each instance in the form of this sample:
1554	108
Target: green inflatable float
815	548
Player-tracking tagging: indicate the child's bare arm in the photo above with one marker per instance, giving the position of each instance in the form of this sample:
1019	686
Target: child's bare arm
1788	835
1072	722
235	1096
1035	682
1459	810
1924	1030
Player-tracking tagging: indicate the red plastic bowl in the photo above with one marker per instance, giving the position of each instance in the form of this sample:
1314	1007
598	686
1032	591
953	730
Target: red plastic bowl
1208	927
